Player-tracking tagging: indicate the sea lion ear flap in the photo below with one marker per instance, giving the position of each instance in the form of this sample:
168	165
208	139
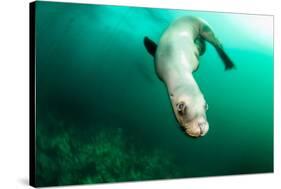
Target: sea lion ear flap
150	46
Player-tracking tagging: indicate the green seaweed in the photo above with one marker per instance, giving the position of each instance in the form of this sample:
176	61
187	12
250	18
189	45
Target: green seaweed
104	156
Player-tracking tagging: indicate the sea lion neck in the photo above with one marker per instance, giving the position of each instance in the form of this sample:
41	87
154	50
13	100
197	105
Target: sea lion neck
184	84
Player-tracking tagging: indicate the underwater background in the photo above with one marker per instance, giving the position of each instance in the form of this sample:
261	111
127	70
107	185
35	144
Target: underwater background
102	114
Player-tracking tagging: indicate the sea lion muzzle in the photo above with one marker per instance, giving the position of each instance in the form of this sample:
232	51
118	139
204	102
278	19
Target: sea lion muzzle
196	128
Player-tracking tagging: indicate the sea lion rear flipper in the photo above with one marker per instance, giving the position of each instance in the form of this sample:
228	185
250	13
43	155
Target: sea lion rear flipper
150	46
207	33
226	60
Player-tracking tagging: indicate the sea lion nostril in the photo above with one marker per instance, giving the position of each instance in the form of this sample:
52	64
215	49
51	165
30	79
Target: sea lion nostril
201	131
201	124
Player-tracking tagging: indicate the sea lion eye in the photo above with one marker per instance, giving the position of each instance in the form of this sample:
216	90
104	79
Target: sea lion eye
181	108
206	106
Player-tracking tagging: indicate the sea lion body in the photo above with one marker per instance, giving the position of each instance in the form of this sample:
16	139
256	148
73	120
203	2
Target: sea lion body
176	58
177	49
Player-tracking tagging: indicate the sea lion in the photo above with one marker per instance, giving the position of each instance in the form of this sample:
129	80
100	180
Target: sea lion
176	58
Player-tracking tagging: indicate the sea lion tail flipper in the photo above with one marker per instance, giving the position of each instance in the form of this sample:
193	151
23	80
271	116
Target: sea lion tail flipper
150	46
208	34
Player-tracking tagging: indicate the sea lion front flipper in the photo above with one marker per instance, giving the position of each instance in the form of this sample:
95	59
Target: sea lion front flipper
150	46
207	34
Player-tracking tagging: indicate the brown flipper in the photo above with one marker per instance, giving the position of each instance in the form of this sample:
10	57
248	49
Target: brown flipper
228	64
207	33
150	46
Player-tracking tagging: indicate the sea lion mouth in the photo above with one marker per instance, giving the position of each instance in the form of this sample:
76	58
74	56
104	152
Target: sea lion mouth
204	127
196	129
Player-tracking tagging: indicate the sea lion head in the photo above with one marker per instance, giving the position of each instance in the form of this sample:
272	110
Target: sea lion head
190	112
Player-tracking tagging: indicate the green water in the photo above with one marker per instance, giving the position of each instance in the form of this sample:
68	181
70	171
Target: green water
104	116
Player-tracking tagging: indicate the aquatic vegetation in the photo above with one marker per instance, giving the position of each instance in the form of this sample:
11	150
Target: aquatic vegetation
106	156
